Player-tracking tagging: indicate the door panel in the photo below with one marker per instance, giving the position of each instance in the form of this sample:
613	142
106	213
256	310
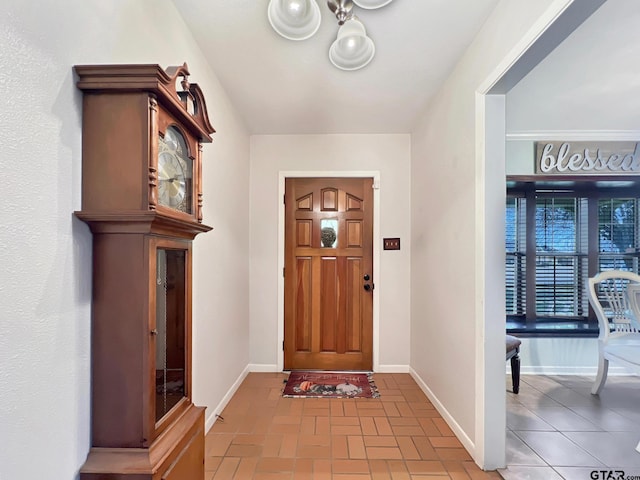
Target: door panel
328	252
303	305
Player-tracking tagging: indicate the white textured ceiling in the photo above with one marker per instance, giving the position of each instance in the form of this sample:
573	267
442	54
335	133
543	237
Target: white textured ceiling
285	87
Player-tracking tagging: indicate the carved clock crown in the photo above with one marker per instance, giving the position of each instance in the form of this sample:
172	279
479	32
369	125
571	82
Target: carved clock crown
152	78
127	111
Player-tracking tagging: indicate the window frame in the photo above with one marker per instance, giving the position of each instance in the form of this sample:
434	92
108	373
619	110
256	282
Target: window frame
593	190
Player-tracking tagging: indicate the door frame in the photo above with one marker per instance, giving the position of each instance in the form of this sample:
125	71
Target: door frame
559	20
282	175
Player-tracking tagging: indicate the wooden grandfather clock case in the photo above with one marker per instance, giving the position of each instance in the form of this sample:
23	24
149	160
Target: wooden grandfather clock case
142	131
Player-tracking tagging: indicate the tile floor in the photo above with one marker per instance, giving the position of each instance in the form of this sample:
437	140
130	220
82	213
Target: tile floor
557	430
399	436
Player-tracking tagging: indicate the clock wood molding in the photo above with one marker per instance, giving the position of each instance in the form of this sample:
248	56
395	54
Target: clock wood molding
142	134
153	155
112	93
149	78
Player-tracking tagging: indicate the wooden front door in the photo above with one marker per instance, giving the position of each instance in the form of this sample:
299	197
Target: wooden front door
328	296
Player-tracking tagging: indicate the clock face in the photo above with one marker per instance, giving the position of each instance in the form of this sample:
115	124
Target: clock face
175	171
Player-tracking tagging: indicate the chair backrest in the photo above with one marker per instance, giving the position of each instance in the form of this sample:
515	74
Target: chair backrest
617	311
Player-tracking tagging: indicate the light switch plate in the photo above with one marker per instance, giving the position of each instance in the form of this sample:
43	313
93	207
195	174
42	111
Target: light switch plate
391	243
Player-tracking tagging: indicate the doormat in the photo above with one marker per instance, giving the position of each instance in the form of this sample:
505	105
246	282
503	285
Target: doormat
330	385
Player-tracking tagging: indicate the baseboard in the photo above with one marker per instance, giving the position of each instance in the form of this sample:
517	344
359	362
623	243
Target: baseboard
457	430
211	419
270	368
392	369
568	370
263	368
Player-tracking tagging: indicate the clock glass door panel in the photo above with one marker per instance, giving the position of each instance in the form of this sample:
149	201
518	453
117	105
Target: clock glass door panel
175	171
170	329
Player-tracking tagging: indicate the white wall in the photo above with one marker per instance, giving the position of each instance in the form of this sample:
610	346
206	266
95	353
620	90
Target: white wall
388	154
586	89
589	83
45	287
448	241
559	356
562	356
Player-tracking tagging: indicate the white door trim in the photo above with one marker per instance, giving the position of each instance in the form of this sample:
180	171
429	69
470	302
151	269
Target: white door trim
558	21
282	175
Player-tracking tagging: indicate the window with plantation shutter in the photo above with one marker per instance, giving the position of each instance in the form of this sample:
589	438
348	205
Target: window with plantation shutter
516	264
618	244
555	239
561	256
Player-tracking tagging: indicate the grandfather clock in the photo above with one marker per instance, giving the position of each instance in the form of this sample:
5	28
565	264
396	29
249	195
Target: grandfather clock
142	131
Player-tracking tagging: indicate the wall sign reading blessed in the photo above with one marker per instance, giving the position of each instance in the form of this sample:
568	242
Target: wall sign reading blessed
588	158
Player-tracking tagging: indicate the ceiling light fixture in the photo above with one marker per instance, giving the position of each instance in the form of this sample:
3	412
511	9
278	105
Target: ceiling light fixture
294	19
300	19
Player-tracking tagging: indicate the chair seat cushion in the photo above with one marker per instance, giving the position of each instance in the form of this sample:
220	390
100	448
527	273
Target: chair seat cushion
512	343
624	339
628	353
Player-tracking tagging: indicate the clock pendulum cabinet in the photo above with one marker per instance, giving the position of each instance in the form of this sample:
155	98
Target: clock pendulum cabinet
142	131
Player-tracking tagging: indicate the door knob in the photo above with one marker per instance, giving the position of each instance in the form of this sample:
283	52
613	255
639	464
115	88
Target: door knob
368	287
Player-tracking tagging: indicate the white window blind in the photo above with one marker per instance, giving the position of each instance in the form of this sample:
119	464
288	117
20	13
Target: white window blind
516	261
561	256
556	237
618	246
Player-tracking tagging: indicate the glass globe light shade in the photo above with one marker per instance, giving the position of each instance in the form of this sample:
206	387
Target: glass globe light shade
371	4
294	19
352	48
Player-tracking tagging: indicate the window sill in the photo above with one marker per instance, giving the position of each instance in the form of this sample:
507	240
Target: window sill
565	328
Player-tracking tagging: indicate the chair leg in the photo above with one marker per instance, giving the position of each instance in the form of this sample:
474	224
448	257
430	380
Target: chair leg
515	372
603	368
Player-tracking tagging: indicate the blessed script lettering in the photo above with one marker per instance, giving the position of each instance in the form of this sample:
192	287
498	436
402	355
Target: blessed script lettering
588	158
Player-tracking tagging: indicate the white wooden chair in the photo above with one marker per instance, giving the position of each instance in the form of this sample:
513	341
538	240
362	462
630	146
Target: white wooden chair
614	296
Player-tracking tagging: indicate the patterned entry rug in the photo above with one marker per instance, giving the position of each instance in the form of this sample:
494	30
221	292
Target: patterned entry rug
330	385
